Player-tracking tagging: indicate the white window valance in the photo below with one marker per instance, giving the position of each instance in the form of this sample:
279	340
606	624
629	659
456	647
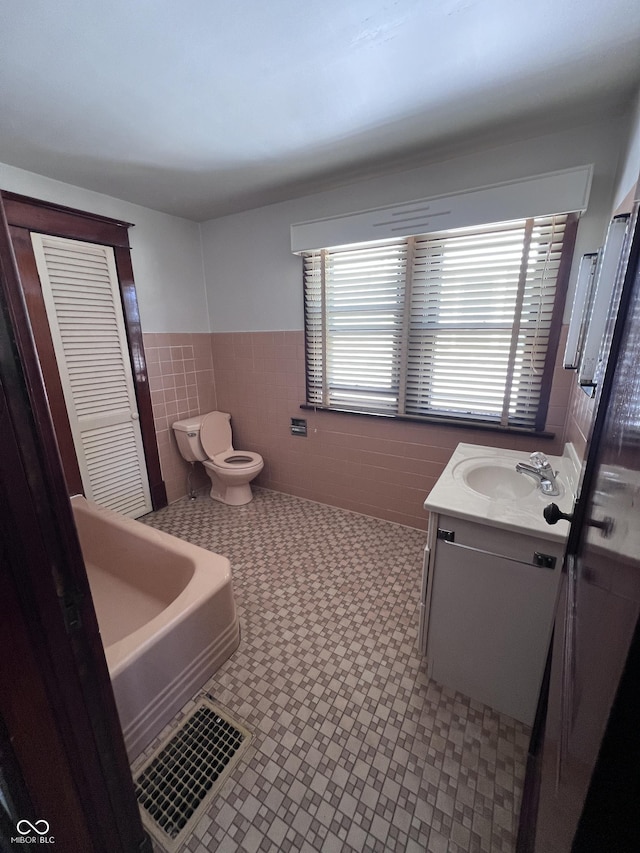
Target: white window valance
565	191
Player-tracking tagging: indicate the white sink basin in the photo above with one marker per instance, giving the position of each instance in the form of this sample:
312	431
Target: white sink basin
494	478
481	484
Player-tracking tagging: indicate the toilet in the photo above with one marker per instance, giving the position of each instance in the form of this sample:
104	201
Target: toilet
207	439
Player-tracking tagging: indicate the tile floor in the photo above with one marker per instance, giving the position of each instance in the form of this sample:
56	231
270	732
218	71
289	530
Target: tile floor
354	748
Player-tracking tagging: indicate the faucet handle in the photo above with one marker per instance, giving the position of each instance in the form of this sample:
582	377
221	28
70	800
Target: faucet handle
539	460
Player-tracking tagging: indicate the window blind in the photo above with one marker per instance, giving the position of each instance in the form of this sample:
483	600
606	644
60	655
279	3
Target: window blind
453	324
354	326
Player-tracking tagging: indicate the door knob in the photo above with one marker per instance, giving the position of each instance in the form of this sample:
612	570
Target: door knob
552	514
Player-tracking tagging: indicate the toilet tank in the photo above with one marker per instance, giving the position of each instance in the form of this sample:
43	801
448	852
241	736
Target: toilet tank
187	433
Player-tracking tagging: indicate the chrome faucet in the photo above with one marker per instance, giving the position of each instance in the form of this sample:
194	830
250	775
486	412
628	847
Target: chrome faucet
542	471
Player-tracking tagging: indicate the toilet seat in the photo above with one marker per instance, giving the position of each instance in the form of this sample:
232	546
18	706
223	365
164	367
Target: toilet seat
236	460
215	437
215	434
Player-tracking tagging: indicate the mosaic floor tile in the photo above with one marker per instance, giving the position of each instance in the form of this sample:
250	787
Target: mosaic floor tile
354	748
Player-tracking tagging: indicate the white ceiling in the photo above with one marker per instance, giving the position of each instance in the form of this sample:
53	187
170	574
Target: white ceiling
205	107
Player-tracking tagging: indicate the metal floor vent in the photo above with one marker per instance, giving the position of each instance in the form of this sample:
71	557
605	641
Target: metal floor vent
176	784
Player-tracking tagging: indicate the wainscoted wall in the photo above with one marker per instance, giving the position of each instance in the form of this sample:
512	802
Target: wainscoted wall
370	465
182	384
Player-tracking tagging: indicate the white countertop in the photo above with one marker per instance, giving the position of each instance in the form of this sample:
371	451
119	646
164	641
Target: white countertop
452	496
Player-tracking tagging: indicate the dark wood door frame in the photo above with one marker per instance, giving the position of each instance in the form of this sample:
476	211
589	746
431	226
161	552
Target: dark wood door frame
59	725
25	215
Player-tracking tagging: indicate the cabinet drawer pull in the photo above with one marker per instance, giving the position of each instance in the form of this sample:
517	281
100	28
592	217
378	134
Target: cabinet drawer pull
534	561
446	535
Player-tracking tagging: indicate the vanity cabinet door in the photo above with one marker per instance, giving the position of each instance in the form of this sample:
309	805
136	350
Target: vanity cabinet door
489	626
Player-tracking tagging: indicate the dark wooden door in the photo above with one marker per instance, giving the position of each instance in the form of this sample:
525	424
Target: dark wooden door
28	215
61	746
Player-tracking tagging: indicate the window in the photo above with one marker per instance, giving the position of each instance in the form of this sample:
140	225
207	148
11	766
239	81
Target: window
450	325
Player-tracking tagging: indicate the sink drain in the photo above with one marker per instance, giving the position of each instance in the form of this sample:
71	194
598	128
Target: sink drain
176	784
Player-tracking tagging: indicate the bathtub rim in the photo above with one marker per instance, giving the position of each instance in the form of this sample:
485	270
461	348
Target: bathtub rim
124	652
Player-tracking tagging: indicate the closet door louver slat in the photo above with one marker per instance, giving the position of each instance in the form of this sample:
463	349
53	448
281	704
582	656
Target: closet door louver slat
82	300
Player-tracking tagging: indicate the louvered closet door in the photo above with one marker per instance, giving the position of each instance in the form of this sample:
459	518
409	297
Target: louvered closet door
82	300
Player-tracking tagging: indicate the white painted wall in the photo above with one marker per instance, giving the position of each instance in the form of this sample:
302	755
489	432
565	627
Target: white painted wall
254	283
165	250
630	166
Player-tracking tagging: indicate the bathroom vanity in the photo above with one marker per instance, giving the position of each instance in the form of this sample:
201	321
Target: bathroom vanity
492	567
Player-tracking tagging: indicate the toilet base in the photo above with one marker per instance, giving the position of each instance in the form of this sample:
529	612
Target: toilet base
232	495
231	488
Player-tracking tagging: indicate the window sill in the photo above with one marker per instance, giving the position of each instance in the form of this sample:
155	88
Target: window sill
438	421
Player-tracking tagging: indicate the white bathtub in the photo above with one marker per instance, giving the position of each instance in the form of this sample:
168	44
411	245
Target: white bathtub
166	614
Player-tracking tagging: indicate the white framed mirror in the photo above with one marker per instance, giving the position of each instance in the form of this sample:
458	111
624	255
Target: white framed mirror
580	310
611	266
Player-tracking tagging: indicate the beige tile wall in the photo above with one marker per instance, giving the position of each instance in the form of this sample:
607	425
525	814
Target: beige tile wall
182	384
371	465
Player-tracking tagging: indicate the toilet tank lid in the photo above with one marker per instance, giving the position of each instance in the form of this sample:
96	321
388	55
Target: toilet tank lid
189	424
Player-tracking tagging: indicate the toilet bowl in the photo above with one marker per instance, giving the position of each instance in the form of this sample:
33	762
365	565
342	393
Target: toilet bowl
207	439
